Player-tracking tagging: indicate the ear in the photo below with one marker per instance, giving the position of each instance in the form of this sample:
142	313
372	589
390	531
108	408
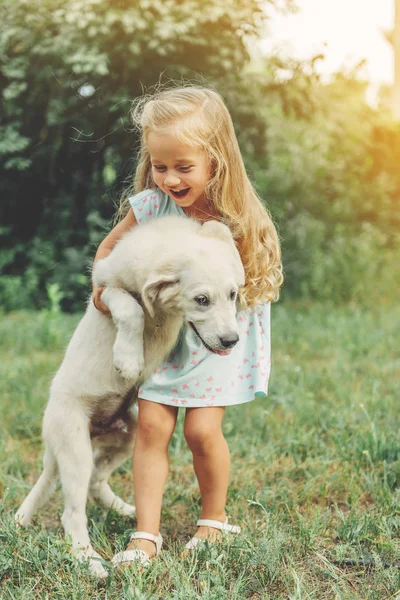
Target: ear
159	287
222	232
216	229
239	270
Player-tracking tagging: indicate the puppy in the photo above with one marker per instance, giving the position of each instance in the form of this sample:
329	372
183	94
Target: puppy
159	276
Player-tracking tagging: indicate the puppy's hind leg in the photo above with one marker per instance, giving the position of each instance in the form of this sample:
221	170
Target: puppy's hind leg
100	489
75	463
41	492
110	451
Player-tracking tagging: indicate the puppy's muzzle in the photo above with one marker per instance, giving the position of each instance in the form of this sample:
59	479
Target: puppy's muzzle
229	341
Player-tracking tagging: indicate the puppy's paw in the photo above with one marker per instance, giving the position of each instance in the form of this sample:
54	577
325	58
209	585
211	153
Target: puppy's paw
20	520
94	560
129	365
123	508
96	568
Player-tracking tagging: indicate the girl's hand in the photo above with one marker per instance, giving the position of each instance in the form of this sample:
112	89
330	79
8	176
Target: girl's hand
104	250
96	298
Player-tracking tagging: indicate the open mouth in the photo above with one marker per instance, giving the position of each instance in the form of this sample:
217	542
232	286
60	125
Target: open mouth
180	193
220	352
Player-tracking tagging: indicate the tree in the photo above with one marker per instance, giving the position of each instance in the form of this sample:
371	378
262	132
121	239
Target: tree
68	72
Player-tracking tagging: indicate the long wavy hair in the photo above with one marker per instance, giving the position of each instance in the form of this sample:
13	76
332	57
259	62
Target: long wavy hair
198	117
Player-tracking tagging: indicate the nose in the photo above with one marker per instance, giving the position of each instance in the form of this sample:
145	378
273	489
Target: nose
228	341
171	180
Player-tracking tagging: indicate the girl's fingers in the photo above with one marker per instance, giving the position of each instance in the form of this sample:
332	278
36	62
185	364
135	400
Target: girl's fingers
96	297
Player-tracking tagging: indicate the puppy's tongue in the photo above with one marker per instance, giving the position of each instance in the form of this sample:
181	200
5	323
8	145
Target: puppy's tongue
222	352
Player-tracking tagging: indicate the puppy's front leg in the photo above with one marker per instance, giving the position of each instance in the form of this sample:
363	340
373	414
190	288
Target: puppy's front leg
128	317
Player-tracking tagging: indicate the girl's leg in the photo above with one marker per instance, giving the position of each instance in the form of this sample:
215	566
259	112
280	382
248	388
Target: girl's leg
211	461
156	424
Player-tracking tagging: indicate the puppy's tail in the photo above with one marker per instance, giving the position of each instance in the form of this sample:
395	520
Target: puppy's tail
41	492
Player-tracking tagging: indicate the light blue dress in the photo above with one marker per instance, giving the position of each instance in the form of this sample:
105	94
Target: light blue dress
192	376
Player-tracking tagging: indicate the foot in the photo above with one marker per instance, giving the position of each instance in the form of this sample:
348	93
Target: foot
142	548
209	533
123	508
146	545
94	561
210	530
128	361
20	520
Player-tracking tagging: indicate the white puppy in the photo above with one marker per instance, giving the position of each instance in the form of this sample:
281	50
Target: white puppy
158	276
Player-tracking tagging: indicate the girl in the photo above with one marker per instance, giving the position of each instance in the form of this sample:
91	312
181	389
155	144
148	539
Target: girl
190	164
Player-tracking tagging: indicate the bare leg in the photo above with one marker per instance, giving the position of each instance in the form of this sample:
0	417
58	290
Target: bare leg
155	427
211	461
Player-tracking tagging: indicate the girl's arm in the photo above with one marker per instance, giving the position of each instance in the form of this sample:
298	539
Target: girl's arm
104	250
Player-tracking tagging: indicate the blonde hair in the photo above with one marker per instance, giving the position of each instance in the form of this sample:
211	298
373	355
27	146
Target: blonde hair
198	117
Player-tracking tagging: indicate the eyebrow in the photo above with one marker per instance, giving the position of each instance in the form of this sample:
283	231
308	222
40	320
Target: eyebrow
179	160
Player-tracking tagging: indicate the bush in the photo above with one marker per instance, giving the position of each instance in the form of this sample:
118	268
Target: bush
332	183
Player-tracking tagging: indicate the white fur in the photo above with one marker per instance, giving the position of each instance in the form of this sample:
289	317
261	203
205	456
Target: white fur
166	264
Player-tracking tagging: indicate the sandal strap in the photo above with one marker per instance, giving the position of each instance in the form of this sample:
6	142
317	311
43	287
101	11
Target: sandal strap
144	535
129	556
222	525
193	543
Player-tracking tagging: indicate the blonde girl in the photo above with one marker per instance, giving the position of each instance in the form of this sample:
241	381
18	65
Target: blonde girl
190	165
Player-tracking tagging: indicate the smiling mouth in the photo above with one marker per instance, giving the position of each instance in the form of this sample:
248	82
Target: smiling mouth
180	193
219	352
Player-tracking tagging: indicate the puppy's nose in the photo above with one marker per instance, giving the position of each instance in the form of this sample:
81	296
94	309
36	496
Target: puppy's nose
228	341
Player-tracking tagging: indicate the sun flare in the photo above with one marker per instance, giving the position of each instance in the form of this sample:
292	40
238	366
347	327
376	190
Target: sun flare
346	31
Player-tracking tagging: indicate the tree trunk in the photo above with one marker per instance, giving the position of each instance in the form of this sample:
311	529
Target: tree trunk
396	43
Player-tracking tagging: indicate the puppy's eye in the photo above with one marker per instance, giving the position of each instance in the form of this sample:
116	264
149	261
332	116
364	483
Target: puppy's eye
232	296
202	300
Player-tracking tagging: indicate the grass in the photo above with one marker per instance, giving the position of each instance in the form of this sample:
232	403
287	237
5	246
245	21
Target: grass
314	484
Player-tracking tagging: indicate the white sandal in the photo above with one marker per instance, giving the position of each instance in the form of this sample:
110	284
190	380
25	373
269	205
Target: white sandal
129	556
221	525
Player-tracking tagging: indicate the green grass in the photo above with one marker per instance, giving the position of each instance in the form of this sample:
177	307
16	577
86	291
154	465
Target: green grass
314	483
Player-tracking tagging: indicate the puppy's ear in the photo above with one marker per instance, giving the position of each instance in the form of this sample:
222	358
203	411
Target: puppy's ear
159	288
216	229
219	230
239	270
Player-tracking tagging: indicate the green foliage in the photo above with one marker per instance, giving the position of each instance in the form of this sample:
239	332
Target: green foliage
324	161
332	182
69	70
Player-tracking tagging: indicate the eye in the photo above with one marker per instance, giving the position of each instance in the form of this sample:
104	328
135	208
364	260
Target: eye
202	300
185	169
232	296
159	168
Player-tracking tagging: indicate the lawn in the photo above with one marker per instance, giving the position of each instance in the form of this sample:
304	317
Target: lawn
314	482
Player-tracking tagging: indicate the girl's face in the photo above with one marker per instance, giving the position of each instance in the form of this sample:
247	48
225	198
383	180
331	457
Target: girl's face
180	171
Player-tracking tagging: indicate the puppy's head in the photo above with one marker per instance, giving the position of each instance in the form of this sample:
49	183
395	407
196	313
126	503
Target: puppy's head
209	288
201	281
